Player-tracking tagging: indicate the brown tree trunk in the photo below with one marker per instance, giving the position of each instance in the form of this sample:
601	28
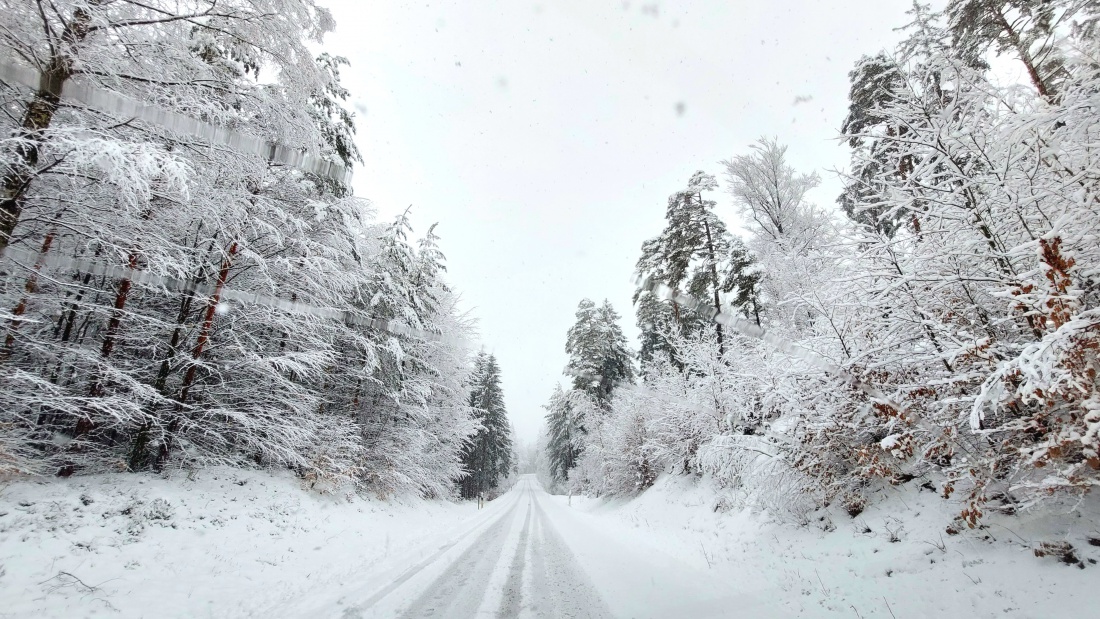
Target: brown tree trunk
115	322
196	354
717	300
1045	91
28	289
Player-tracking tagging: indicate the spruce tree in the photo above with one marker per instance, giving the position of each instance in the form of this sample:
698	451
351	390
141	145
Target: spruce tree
566	429
742	279
875	83
599	358
488	456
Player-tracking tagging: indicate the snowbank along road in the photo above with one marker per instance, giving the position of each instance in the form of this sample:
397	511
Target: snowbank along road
530	555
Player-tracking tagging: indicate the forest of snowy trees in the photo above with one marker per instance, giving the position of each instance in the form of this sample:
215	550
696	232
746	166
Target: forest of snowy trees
104	373
942	326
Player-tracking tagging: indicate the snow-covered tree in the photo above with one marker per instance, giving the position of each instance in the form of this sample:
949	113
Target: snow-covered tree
656	321
875	81
599	357
568	415
489	457
772	195
688	251
181	370
742	280
956	310
1029	30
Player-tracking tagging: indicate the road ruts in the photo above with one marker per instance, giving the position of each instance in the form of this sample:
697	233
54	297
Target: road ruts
518	567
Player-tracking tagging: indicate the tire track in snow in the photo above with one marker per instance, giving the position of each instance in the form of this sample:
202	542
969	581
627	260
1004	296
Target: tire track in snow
527	584
513	588
559	587
509	569
366	606
496	587
459	590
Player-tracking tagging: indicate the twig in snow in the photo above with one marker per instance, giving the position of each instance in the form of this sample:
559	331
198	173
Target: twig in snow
60	574
1028	542
942	546
888	607
824	591
332	537
858	616
705	555
107	603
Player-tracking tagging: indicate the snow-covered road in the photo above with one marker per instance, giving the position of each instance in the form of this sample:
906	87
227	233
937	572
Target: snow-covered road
530	555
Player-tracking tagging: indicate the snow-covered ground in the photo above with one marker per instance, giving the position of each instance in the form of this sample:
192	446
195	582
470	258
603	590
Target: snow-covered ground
228	543
220	543
893	560
538	557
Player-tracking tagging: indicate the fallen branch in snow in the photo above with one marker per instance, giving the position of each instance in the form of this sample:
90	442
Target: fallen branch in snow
62	576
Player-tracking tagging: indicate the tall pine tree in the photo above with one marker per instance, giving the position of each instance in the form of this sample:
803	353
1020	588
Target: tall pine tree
567	424
655	321
1026	29
690	247
488	457
741	280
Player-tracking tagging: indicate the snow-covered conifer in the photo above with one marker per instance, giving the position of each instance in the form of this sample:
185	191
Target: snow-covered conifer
599	358
489	456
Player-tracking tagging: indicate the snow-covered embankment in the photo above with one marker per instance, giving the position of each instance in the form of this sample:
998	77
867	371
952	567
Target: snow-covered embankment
893	560
221	542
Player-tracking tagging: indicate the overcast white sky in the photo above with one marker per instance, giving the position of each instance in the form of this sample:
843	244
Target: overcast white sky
545	136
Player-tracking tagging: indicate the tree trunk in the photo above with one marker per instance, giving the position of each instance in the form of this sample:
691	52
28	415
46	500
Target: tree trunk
1045	91
28	289
196	354
115	323
714	274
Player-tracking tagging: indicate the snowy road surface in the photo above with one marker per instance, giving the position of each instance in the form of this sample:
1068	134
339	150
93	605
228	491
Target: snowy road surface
530	555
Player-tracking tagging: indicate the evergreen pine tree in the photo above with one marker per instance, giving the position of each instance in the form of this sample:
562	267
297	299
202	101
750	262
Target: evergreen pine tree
655	321
1026	29
599	358
876	81
742	280
566	429
488	456
690	247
